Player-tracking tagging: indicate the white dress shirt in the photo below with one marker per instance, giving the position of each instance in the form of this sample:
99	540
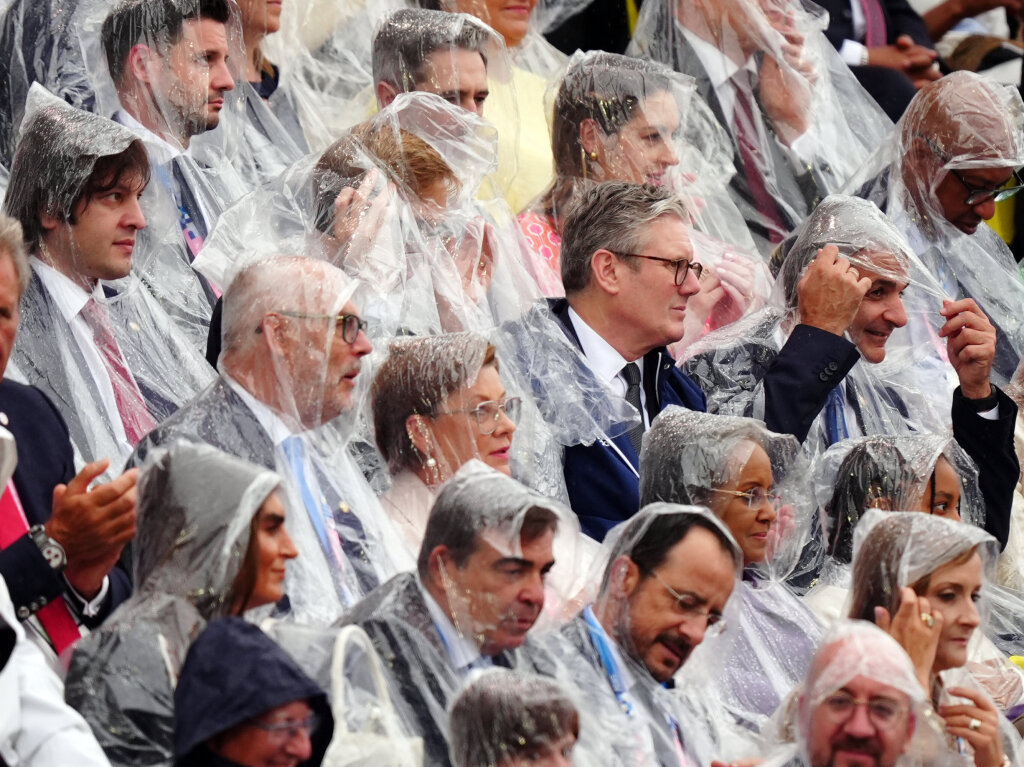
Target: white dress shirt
606	362
70	298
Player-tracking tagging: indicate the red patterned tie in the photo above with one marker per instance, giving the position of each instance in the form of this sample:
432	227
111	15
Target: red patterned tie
749	142
56	618
130	405
874	24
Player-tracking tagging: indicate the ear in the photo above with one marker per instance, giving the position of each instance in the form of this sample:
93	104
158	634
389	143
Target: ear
49	222
606	269
419	433
386	93
625	577
911	726
591	138
438	561
139	59
272	328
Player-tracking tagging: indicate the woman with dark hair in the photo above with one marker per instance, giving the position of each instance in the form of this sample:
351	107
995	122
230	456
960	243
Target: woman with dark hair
211	542
438	401
921	578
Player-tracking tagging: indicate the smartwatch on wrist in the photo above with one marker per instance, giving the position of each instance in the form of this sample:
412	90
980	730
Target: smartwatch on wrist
52	551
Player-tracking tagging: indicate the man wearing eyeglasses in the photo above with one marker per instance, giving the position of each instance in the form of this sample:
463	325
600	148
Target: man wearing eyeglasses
292	351
628	270
861	703
954	155
668	578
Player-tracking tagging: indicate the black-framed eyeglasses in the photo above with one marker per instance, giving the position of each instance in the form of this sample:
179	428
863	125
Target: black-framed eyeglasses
756	497
884	713
290	729
350	324
687	605
682	266
976	195
488	413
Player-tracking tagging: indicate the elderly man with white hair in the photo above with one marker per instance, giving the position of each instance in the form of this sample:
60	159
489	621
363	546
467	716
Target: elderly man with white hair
293	345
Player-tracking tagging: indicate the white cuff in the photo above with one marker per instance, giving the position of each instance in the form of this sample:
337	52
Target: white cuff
853	53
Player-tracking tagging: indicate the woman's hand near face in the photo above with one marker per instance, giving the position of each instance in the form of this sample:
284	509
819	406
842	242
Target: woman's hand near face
984	736
736	276
911	629
359	213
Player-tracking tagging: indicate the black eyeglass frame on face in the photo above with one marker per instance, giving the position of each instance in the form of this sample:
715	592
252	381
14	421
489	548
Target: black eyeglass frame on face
978	195
683	266
351	324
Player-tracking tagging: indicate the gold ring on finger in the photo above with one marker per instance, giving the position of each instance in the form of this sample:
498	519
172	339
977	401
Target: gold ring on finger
928	619
974	724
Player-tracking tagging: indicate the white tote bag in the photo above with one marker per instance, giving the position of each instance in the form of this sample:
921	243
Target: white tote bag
367	731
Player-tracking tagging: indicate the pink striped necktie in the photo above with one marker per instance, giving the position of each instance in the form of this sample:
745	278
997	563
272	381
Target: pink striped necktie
874	24
130	405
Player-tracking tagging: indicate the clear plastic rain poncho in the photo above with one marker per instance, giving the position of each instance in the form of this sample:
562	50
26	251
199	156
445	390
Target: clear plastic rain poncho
196	512
620	118
289	397
504	716
480	516
961	129
893	550
392	203
801	123
199	116
40	45
857	659
629	717
909	390
712	460
519	28
105	352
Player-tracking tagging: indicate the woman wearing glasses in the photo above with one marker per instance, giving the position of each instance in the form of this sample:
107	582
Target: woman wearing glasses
438	401
741	471
921	578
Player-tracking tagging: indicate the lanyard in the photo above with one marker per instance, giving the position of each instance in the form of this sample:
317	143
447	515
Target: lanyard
604	651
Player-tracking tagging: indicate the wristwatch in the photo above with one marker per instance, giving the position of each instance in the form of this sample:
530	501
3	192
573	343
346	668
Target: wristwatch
52	551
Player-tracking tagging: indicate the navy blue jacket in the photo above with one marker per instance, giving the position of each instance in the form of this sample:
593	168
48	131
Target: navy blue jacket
233	673
45	459
603	478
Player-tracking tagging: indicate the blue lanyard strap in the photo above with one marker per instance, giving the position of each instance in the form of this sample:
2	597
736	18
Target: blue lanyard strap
608	662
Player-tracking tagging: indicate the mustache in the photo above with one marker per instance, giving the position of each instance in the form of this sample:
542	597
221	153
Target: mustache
866	746
679	645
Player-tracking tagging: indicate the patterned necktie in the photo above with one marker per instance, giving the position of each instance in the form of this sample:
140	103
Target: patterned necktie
748	141
836	429
130	405
874	24
632	375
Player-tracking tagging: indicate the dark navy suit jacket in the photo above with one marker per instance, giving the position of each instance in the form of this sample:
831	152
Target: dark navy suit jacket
603	478
45	459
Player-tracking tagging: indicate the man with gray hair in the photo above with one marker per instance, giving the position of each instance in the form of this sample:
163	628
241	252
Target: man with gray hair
292	349
628	270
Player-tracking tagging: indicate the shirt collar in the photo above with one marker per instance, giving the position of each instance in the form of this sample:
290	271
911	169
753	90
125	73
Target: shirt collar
69	296
719	67
462	651
160	150
271	422
600	355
